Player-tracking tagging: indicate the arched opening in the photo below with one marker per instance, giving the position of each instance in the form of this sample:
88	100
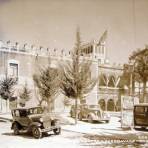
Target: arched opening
110	105
102	104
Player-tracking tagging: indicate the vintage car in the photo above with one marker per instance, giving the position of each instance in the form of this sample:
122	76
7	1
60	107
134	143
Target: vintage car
141	115
90	113
33	120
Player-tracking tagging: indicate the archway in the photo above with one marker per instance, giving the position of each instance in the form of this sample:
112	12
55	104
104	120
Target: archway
110	105
102	104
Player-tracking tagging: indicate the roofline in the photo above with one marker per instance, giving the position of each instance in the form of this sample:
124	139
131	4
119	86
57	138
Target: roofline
141	104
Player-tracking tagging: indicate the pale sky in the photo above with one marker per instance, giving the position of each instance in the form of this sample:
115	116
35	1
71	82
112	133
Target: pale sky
53	23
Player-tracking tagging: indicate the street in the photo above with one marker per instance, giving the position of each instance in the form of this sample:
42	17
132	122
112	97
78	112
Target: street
8	140
76	136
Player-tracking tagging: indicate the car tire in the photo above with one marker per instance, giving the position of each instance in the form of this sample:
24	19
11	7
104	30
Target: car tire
36	132
57	131
90	120
16	129
107	121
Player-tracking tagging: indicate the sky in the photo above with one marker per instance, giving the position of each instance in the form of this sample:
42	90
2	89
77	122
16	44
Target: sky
53	23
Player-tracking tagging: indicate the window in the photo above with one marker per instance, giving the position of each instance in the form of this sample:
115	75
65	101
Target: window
102	50
13	71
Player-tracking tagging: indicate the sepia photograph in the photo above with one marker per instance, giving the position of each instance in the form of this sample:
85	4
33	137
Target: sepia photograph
73	73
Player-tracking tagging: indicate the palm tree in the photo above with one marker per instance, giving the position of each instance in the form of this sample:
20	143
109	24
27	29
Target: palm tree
140	68
76	81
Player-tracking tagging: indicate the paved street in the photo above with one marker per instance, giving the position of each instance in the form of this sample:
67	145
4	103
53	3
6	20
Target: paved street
72	138
65	140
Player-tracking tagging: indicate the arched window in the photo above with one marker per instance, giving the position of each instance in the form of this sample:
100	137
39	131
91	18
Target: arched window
110	105
102	104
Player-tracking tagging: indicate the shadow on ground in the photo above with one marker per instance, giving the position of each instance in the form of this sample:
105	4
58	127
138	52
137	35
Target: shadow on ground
28	135
114	140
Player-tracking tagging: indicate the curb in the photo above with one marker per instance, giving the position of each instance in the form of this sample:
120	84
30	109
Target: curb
5	119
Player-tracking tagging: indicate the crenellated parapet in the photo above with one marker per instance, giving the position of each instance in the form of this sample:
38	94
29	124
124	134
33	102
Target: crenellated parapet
16	47
32	49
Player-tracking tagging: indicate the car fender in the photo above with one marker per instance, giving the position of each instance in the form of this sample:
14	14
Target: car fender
15	122
38	124
92	115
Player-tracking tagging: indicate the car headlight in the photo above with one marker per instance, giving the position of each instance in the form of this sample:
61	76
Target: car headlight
41	119
106	115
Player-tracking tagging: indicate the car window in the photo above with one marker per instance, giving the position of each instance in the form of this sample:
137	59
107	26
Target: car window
37	110
30	111
17	113
140	109
12	113
23	113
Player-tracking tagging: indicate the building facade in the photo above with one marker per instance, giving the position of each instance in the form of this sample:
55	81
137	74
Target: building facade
22	61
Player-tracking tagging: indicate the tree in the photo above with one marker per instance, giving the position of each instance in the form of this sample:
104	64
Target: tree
140	68
76	81
124	84
47	82
25	96
6	88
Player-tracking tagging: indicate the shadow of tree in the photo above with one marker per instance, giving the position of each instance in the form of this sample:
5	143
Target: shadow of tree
28	135
2	120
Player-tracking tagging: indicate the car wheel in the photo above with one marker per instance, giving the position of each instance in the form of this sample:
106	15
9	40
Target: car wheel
107	121
90	120
57	131
143	128
36	132
16	129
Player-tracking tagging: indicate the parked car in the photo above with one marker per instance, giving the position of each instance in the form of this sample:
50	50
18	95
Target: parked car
90	113
33	120
141	115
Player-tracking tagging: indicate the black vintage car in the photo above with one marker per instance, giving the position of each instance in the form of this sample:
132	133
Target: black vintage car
90	113
141	115
33	120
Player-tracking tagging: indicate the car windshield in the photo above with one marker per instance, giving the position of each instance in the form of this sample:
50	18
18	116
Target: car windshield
94	107
37	110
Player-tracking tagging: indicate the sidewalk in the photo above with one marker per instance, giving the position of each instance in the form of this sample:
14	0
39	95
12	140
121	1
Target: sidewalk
6	116
63	119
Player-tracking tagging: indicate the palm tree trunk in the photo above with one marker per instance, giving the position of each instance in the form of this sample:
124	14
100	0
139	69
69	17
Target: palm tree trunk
6	105
144	92
1	105
76	110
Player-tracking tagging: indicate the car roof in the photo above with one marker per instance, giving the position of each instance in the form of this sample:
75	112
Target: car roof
141	104
26	108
